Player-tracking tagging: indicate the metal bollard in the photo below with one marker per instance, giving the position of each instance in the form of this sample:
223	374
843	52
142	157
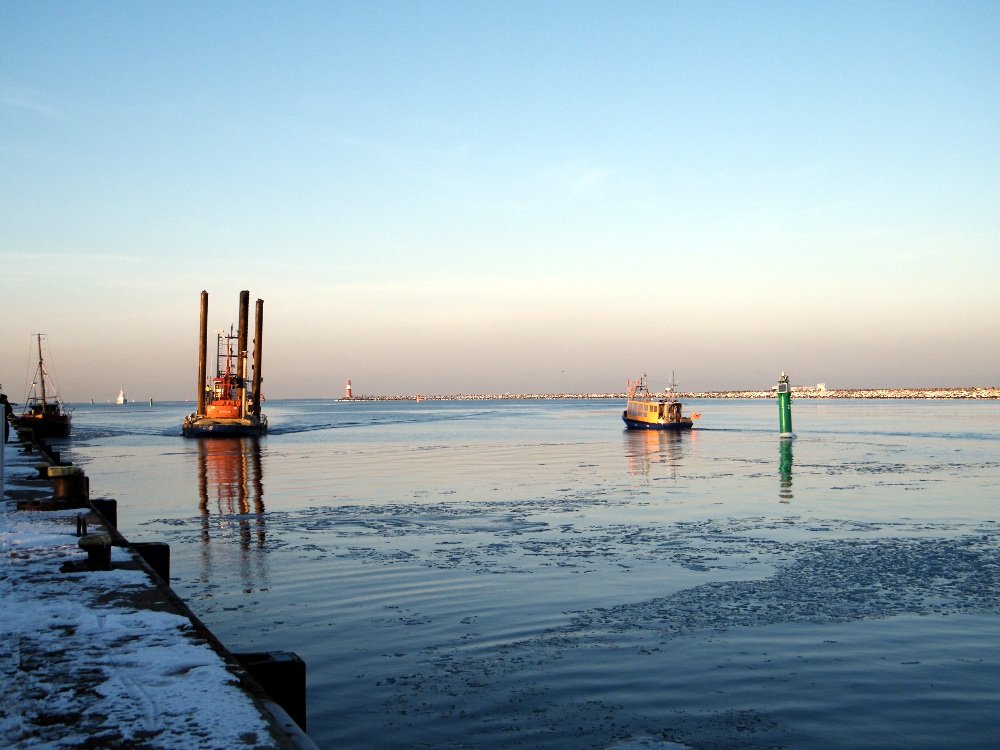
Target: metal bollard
98	548
69	483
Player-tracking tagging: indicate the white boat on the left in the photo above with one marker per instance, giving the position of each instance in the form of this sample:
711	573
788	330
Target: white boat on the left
121	396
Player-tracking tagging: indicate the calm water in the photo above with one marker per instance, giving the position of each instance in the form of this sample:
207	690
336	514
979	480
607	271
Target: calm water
529	574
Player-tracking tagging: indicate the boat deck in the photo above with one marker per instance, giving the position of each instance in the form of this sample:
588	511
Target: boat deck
208	427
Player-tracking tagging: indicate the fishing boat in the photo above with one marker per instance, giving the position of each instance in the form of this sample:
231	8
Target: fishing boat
44	413
122	398
651	411
226	405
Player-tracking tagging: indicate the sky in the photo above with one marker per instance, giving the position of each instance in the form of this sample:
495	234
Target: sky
502	197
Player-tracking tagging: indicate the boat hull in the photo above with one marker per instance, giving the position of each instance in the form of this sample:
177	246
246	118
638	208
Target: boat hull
207	427
48	426
636	424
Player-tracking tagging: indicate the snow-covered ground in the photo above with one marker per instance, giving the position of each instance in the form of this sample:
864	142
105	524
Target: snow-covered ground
97	659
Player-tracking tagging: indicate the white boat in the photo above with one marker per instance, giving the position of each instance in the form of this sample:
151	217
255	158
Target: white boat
121	396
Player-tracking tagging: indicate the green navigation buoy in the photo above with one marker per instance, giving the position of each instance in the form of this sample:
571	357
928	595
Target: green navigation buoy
785	407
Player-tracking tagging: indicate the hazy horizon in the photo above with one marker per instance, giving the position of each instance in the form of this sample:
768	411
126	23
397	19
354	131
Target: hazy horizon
443	198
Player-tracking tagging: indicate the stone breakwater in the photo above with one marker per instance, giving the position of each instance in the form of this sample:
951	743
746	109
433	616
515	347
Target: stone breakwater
812	393
884	393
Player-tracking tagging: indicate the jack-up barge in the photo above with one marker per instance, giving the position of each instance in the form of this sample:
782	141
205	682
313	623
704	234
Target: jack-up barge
225	406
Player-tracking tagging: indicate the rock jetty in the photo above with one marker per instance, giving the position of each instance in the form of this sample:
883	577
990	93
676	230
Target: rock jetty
797	392
881	393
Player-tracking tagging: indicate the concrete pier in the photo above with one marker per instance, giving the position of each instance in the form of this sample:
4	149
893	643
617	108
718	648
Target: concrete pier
96	650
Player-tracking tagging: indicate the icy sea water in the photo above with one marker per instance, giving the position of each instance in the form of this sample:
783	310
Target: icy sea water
529	574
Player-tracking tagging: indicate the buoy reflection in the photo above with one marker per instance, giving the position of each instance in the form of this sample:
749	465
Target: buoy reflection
785	470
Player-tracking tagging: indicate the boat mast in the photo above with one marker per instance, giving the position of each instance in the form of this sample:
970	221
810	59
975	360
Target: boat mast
41	369
224	353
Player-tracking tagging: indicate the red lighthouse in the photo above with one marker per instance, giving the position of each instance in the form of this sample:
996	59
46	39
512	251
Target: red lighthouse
347	390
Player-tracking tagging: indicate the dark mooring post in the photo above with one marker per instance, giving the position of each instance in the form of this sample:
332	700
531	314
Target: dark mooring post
241	360
282	675
202	348
258	344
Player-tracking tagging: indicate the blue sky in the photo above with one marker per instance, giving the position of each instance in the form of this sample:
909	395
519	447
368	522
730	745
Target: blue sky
503	197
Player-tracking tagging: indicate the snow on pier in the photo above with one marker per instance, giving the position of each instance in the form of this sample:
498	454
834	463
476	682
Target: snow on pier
108	658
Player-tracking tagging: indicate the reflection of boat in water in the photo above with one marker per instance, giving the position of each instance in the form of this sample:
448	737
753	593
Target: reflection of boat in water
225	405
230	470
231	499
646	448
650	411
43	411
122	399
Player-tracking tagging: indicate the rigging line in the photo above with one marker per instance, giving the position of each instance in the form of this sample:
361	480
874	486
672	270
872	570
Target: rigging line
57	396
28	372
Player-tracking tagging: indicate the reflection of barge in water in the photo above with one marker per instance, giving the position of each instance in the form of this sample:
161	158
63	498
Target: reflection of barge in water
224	405
230	472
650	411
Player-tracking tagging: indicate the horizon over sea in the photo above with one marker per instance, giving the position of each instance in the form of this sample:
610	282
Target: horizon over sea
500	574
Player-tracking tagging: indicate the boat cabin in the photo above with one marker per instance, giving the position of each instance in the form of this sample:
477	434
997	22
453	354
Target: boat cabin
653	411
224	400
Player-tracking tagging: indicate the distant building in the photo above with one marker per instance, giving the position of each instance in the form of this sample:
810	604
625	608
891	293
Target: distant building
821	386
